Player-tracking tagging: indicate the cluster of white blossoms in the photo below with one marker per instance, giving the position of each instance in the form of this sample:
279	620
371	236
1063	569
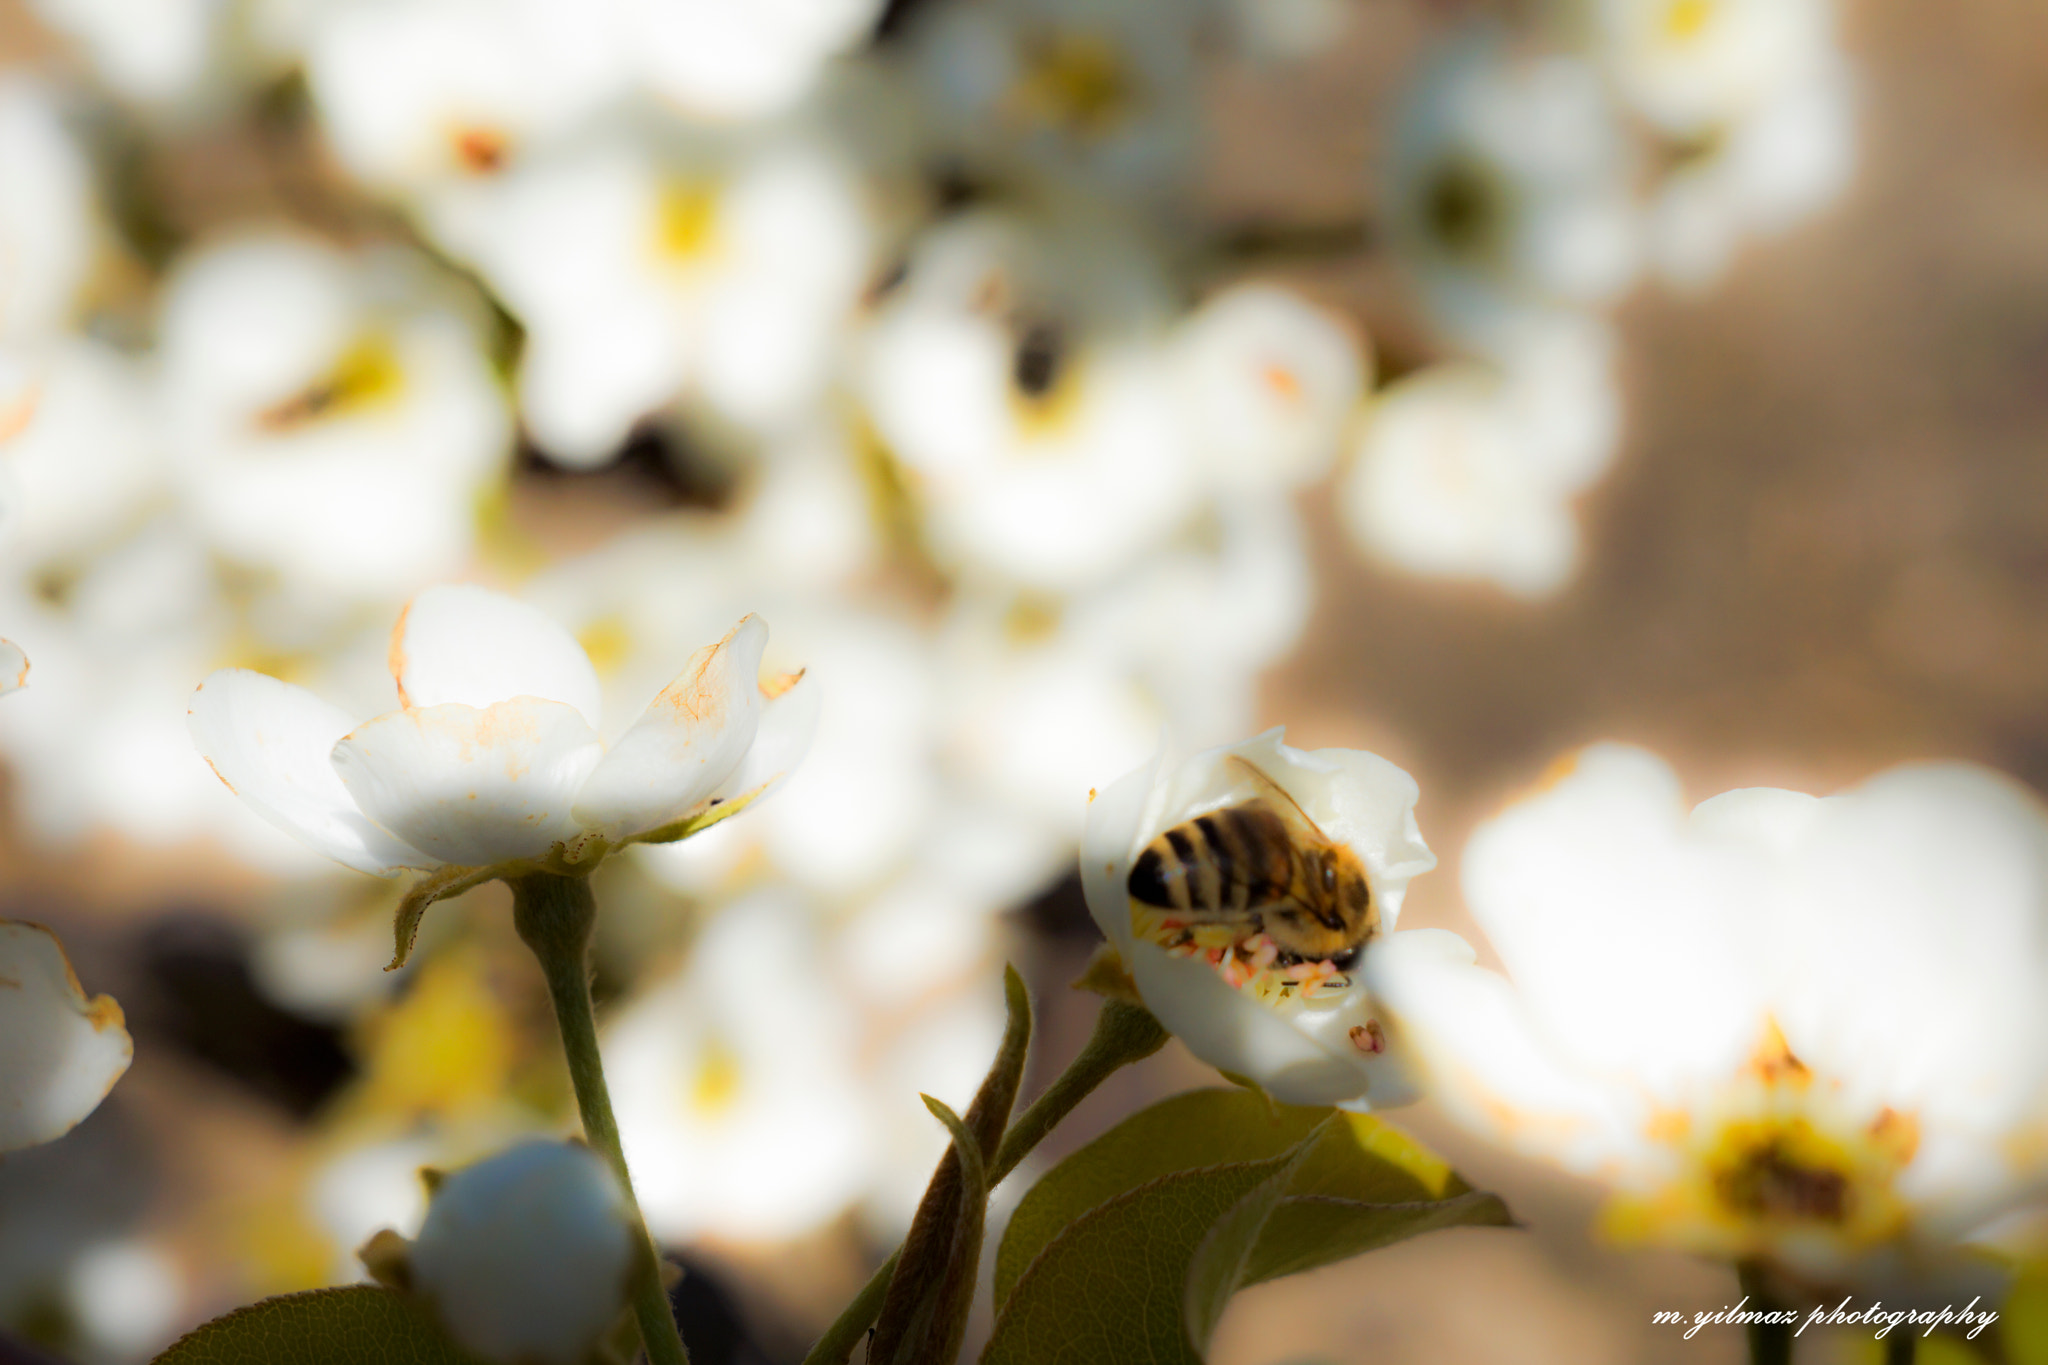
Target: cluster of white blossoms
1531	179
1790	1030
1011	471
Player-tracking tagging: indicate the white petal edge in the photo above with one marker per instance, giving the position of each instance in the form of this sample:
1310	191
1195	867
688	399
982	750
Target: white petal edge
269	741
472	786
60	1052
1623	928
686	744
462	643
1466	1032
13	667
788	724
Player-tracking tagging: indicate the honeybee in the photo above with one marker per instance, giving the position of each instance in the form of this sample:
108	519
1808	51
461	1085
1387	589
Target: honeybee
1262	865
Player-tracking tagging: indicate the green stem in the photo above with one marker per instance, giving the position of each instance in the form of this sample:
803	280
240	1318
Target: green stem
1124	1033
554	916
1900	1346
1770	1343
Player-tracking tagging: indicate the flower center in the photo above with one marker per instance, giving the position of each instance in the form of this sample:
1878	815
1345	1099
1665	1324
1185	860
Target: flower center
1786	1172
365	374
1464	208
715	1086
1245	956
608	641
1045	387
686	221
1685	20
1075	82
1783	1160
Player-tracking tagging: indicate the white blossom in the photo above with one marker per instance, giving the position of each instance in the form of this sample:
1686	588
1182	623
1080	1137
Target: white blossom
1470	469
60	1050
1783	1027
495	757
737	1100
1091	92
1507	188
1018	373
1307	1033
332	418
416	95
1269	384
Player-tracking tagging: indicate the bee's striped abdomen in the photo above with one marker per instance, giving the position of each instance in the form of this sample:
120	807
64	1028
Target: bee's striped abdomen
1221	865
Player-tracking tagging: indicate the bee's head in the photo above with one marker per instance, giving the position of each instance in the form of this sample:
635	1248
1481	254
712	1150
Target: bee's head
1340	914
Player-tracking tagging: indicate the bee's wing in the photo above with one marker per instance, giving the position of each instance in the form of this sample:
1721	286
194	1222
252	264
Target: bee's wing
1286	807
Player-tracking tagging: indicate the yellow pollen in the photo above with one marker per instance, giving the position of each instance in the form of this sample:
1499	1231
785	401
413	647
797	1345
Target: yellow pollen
608	642
365	375
1685	20
686	220
1074	81
716	1085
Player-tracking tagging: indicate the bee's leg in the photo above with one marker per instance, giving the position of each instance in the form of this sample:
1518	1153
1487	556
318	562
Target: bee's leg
1287	959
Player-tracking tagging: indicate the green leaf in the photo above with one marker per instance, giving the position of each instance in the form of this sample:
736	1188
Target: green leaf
1359	1160
930	1264
1220	1262
1112	1286
940	1322
324	1327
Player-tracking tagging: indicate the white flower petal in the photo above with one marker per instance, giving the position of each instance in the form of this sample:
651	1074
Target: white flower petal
526	1256
686	744
13	667
1913	944
789	721
59	1051
1106	850
1299	1052
1619	926
1482	1060
462	643
472	786
269	742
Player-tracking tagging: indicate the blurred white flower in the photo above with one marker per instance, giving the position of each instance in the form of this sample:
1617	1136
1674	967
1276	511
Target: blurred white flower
1507	188
1798	1029
738	1104
1038	710
939	1045
1307	1032
1286	30
1692	65
739	62
333	419
1756	173
88	467
1105	94
494	757
60	1051
119	634
48	222
155	52
651	264
415	93
1269	382
526	1256
1468	470
1018	373
128	1296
